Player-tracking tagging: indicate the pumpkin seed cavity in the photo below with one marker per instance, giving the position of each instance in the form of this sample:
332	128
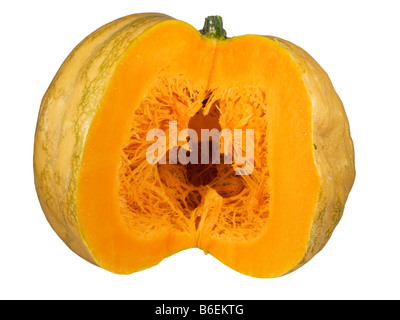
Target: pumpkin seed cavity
160	197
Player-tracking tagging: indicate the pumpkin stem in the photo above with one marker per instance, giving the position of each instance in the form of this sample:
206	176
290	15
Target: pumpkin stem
213	28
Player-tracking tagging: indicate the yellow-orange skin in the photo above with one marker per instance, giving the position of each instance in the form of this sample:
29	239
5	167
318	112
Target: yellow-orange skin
75	95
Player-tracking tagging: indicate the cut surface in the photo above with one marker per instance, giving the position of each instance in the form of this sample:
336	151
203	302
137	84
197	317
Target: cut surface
257	223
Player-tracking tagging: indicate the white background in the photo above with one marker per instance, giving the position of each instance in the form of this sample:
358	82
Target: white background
356	42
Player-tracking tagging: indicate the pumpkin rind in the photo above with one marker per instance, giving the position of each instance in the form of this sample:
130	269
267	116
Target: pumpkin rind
65	115
333	149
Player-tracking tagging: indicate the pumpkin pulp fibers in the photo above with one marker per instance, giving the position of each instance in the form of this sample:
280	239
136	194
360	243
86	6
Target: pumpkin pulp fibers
177	197
133	214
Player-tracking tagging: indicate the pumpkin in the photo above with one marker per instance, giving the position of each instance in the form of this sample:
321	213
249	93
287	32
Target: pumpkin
148	71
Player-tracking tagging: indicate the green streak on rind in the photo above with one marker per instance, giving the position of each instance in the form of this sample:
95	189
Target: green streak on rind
66	114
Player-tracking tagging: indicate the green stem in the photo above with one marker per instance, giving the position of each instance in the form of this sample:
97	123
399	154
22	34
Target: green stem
213	28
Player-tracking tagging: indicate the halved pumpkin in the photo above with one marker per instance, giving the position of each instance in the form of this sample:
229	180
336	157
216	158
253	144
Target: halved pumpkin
145	71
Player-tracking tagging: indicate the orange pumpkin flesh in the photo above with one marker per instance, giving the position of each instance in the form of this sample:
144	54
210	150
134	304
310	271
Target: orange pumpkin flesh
282	229
132	214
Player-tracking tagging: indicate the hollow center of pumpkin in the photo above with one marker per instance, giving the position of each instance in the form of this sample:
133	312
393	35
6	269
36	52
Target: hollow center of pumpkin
172	196
208	171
